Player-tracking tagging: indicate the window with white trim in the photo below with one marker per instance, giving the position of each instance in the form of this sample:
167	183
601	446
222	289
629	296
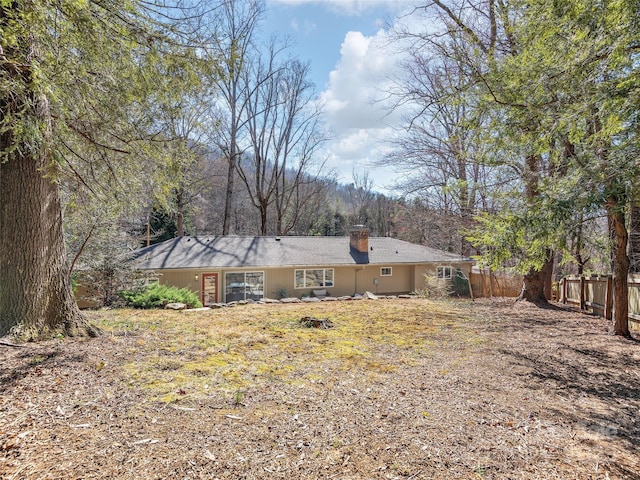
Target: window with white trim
385	271
444	273
314	277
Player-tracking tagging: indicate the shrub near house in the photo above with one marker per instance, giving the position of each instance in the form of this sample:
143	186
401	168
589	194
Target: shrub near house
158	296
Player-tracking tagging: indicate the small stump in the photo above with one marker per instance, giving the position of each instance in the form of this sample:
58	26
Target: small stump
313	322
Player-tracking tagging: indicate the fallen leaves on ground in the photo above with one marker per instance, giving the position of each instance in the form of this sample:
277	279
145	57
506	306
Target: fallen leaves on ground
396	389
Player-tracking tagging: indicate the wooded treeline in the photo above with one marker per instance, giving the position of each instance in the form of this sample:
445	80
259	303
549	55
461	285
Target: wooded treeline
323	206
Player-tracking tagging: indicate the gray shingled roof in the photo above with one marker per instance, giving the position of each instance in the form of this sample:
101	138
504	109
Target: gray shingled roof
242	251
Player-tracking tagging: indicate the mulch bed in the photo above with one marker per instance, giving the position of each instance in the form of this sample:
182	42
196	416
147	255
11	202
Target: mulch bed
545	394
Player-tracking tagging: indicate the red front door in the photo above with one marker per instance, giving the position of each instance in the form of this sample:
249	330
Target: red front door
209	288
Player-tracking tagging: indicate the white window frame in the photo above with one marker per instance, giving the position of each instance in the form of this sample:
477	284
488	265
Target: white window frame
383	269
325	283
444	272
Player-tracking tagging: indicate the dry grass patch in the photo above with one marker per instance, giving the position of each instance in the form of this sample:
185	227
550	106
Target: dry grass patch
196	354
397	389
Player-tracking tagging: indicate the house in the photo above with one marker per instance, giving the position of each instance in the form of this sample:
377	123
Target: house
222	269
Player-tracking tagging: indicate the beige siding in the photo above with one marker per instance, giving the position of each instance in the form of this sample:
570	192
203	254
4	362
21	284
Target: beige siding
347	280
277	279
284	278
181	279
400	281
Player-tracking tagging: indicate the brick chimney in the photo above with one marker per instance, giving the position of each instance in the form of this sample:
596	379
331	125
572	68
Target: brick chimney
359	238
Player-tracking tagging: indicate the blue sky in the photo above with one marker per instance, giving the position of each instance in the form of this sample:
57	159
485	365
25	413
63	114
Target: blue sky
347	46
318	28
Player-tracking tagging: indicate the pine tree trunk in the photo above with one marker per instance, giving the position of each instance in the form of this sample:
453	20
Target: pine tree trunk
36	299
620	268
535	281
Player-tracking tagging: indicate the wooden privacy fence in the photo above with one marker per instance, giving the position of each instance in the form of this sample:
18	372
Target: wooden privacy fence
595	294
485	283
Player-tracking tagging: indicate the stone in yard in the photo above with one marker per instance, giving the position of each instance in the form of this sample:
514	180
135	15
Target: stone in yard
270	300
310	299
290	300
175	306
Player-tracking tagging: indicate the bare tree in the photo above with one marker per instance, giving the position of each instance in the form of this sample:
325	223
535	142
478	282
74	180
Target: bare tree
282	123
232	50
438	150
459	106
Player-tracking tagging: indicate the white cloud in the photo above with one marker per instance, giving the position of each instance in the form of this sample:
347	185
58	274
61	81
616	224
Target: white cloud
352	145
356	89
358	83
357	109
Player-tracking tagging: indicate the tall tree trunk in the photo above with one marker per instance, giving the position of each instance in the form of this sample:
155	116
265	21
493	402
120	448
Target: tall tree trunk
263	217
36	299
534	281
620	267
226	222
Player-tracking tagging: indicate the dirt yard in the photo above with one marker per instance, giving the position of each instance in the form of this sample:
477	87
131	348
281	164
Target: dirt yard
395	389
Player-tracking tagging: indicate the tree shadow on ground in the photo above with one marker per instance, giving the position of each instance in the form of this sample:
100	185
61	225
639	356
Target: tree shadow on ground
34	361
602	388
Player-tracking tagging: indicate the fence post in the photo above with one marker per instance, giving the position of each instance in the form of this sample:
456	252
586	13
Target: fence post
583	305
608	299
490	283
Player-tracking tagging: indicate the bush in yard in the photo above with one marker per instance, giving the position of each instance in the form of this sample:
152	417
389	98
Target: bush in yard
157	296
435	287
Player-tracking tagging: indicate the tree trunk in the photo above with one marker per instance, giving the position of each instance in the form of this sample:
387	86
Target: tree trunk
620	268
36	299
180	212
263	217
226	222
534	283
